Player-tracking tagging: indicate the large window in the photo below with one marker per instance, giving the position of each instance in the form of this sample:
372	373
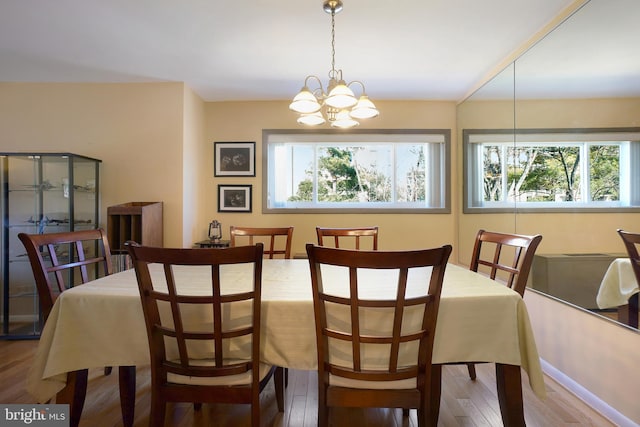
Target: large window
377	171
589	169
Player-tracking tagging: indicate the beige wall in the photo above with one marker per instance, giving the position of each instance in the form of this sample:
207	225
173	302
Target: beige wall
135	129
398	230
599	355
156	143
195	165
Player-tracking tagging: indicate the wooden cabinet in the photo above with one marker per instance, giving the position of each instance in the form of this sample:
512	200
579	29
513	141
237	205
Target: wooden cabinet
574	278
137	221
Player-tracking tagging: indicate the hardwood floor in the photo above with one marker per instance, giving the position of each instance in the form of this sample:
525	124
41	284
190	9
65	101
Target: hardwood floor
464	402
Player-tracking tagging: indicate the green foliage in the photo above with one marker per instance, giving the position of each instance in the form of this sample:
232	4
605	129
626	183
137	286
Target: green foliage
554	172
337	177
304	193
548	174
605	172
341	179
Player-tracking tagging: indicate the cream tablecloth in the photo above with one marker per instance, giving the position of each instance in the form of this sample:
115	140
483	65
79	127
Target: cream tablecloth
101	324
618	284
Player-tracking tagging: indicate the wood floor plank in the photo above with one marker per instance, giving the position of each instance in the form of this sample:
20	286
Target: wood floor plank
464	402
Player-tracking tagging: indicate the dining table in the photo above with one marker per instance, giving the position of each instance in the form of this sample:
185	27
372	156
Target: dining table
101	323
619	289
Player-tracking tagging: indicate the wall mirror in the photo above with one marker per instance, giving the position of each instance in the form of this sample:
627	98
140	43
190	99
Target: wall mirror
582	78
490	107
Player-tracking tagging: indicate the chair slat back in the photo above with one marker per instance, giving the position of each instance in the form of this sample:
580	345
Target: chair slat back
506	257
204	329
276	240
328	236
632	245
352	329
62	260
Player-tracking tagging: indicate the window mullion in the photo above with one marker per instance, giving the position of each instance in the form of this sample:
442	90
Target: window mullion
394	174
585	171
314	190
504	172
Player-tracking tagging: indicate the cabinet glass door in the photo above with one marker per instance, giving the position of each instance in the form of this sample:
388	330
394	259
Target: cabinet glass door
41	193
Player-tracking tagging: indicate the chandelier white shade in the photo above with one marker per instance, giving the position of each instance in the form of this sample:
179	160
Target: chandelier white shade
338	105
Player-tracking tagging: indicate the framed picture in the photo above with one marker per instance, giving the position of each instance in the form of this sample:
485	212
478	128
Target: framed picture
234	198
234	158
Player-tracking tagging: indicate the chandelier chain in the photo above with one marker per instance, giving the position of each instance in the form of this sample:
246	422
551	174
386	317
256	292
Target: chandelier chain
333	44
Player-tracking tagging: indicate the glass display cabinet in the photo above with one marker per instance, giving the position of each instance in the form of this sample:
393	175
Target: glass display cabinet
41	193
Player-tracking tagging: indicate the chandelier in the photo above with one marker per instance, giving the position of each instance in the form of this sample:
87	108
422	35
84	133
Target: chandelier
338	105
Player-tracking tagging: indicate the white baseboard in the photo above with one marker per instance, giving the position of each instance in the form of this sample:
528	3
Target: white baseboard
586	396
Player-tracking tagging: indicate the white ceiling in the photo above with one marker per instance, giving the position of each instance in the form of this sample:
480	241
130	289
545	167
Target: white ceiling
593	54
262	50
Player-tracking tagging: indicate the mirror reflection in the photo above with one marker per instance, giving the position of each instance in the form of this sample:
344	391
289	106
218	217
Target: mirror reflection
570	108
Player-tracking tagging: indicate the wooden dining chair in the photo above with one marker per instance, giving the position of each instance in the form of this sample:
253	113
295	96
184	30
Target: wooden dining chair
204	342
276	240
365	365
632	245
506	258
327	236
63	260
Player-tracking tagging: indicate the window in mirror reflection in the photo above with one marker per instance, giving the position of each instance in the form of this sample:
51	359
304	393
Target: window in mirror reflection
566	168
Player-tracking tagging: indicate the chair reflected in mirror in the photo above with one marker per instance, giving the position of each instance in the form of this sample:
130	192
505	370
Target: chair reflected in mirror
629	314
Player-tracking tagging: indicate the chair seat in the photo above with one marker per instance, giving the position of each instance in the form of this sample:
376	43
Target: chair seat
229	380
408	384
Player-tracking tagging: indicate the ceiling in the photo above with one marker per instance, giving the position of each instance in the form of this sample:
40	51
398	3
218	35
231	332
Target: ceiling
262	50
593	54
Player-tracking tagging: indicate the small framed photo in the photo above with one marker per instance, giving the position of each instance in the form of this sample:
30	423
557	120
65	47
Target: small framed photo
234	198
234	158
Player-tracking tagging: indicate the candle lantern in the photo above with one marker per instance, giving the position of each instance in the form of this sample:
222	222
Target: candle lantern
215	230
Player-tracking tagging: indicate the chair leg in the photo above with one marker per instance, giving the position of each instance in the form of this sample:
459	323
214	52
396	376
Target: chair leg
107	370
74	394
157	412
255	409
127	381
431	412
280	383
197	406
323	410
471	367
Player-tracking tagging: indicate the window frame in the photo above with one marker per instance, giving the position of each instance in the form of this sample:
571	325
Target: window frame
445	172
471	171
